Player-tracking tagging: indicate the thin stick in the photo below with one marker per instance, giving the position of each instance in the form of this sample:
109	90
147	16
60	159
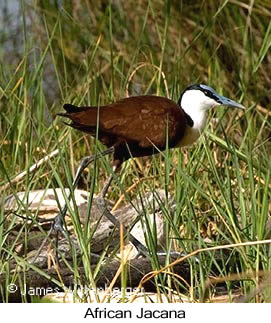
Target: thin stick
151	274
238	276
30	170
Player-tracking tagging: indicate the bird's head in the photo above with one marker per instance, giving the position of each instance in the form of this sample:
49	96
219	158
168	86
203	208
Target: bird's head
199	98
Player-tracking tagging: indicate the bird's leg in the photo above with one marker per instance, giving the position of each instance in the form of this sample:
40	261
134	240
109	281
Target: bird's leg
59	224
59	219
101	204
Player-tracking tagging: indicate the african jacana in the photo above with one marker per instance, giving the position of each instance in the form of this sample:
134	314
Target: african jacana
142	126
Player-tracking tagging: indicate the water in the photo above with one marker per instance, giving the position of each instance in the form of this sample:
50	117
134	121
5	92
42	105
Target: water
10	31
9	9
13	46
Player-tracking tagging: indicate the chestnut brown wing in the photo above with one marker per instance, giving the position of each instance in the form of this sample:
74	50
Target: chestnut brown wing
145	120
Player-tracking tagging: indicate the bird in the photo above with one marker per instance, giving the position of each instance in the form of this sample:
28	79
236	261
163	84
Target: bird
144	125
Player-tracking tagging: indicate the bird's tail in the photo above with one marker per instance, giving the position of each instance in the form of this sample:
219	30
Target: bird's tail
71	109
83	118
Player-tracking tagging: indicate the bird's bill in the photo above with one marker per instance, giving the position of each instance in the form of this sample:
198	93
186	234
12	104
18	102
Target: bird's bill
230	103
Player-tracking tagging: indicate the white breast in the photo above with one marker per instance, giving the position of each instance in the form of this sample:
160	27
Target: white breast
190	136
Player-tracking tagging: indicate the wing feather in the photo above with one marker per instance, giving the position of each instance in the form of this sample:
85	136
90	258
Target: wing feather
141	120
149	115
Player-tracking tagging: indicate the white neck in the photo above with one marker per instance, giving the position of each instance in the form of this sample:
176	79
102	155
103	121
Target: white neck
196	105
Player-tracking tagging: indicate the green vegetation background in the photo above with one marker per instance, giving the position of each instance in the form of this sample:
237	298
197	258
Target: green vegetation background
94	52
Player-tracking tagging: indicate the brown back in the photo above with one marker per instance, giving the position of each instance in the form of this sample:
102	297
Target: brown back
139	121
